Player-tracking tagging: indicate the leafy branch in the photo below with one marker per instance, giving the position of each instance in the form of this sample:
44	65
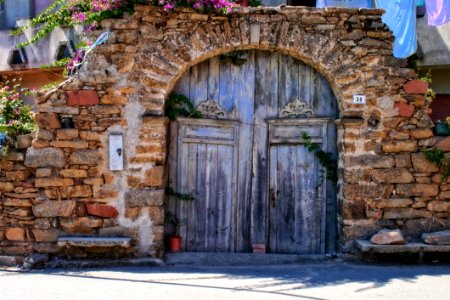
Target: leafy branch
325	158
180	106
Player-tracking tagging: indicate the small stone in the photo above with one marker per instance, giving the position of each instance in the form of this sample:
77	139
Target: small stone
388	237
43	172
67	134
74	173
105	110
70	144
404	110
144	197
15	234
44	158
416	86
392	176
439	206
102	210
399	146
405	213
403	161
53	182
6	187
82	98
418	190
422	164
85	157
437	238
444	144
421	133
54	208
154	177
47	236
24	141
374	161
48	120
77	191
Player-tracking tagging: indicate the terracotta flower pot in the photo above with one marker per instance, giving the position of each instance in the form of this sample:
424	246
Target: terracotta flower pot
416	86
175	243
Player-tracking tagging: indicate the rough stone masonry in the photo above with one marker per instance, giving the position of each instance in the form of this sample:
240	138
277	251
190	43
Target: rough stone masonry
62	185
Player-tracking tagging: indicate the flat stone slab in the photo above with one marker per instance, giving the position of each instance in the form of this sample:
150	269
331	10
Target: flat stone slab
437	238
94	241
367	246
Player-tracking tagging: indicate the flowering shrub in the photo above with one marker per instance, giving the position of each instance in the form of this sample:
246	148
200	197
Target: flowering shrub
90	12
15	117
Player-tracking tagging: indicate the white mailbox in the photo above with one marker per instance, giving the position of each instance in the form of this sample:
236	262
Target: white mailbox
116	152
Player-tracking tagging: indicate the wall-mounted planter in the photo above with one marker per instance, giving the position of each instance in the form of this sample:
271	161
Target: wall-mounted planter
416	86
441	129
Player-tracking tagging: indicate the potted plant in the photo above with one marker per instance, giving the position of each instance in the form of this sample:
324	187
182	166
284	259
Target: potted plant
442	128
175	239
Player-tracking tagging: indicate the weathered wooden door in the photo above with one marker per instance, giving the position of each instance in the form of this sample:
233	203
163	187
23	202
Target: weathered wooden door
296	188
244	162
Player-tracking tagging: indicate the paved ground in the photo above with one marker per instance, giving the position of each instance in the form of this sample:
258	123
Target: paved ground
325	280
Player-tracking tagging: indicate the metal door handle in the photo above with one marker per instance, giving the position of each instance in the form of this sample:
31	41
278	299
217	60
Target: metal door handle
273	198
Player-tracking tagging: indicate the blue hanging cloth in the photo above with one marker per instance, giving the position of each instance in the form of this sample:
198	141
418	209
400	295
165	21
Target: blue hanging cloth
345	3
438	12
400	17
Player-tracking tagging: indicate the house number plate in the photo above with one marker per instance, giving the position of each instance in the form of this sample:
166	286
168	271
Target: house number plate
359	99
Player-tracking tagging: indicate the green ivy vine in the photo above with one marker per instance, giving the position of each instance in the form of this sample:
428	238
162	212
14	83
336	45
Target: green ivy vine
325	158
178	105
438	157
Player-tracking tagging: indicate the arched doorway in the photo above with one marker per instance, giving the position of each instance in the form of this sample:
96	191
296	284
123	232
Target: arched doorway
245	162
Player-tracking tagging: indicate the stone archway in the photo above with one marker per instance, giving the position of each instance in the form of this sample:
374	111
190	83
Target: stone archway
128	79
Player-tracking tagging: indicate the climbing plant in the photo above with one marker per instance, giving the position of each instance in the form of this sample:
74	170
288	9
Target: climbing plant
438	157
325	158
180	106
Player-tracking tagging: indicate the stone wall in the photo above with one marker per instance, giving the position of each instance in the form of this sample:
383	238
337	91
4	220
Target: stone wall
66	187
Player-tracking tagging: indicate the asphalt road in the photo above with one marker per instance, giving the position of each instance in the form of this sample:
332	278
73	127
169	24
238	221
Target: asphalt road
326	280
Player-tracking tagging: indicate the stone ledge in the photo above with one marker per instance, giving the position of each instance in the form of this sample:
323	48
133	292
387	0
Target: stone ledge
368	247
87	242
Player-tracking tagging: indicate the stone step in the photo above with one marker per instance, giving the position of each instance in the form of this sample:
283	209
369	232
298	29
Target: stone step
367	246
86	242
240	259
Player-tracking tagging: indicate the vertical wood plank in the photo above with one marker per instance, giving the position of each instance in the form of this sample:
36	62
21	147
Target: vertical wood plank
211	199
224	198
189	206
199	83
273	187
214	78
242	95
200	202
266	87
289	83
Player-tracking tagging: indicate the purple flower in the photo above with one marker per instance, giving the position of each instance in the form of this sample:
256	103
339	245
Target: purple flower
168	6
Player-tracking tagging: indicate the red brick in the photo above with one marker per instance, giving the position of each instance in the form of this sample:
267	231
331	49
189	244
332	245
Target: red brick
416	87
404	109
102	210
82	98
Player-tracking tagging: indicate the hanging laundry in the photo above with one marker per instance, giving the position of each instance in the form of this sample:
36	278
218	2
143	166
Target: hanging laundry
400	17
345	3
438	12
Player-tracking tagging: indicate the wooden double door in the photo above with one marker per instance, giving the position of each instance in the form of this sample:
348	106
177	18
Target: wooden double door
245	162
